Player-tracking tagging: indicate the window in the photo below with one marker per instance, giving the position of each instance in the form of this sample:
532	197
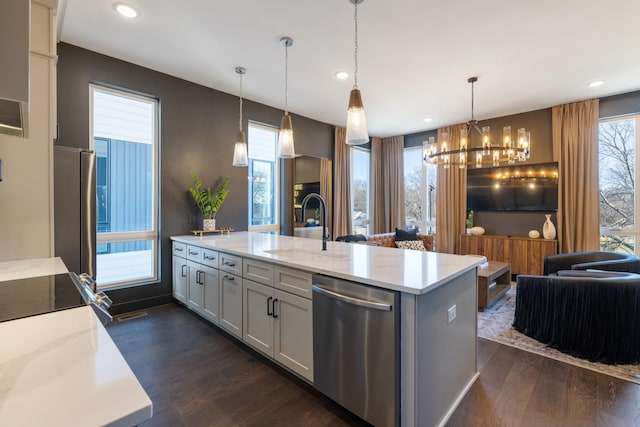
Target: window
419	191
264	180
360	179
617	168
124	131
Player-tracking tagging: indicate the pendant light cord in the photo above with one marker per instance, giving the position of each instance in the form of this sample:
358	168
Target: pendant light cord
286	79
355	53
240	120
473	119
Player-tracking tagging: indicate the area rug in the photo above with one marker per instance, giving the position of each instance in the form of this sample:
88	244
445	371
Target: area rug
495	324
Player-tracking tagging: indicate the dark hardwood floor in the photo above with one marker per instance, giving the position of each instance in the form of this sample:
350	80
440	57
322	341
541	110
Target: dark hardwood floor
197	375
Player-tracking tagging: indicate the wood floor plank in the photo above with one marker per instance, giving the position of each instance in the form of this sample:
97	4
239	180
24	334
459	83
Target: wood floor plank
197	375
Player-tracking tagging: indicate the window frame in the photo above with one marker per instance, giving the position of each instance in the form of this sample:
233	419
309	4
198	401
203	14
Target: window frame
264	228
635	231
152	235
367	225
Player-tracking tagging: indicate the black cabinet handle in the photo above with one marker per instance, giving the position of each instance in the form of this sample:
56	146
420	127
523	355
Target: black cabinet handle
209	258
230	278
230	264
199	277
275	316
193	253
184	272
269	313
178	249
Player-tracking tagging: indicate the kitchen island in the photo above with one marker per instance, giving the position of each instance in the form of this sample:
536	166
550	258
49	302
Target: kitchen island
438	299
62	368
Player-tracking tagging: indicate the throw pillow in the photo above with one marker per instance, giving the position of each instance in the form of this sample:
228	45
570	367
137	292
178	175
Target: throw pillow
402	234
416	245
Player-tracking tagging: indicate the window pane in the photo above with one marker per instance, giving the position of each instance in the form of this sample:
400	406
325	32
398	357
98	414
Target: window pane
124	139
617	173
613	243
413	188
125	262
360	190
263	176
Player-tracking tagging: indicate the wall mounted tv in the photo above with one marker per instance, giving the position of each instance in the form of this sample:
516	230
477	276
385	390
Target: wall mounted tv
532	188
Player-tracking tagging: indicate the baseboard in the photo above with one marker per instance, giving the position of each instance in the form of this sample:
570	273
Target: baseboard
140	304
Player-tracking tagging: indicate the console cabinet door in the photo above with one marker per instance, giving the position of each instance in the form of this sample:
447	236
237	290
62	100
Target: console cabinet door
195	293
180	279
258	323
211	293
293	344
231	303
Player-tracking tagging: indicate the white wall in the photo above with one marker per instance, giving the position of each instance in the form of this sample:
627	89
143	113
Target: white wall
26	192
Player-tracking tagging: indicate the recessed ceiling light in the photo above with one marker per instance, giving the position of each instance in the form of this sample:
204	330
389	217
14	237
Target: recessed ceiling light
126	10
596	83
428	119
342	75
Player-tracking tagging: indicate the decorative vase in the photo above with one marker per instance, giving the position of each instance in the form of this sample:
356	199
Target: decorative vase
548	229
208	224
469	230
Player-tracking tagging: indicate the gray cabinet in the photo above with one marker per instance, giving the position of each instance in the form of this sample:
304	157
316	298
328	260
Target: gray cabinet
231	302
180	273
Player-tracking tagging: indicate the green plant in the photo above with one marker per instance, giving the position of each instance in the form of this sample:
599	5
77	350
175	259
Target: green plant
207	202
470	219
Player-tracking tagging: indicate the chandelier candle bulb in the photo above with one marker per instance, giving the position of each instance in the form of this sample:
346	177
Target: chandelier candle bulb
506	138
486	141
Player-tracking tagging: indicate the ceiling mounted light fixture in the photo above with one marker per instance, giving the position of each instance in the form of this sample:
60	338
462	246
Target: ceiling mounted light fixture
126	10
486	152
596	83
342	75
240	157
357	133
285	136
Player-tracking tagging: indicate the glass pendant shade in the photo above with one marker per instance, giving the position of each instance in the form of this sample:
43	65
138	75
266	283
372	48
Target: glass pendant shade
240	157
285	138
357	133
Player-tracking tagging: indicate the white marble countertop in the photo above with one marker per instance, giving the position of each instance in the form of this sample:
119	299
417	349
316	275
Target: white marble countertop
414	272
63	369
34	267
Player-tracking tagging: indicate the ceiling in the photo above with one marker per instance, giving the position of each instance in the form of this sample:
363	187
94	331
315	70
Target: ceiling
414	55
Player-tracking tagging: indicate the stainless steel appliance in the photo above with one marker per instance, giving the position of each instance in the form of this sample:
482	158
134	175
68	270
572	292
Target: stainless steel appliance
45	294
356	348
75	208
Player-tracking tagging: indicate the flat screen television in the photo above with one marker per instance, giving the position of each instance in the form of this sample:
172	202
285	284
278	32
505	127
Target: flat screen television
528	188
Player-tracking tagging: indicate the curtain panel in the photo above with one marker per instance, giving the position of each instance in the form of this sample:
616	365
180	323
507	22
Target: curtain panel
342	188
325	191
377	188
451	199
393	182
575	148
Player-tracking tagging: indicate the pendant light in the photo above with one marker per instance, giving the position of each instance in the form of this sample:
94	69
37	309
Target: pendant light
285	136
240	157
357	133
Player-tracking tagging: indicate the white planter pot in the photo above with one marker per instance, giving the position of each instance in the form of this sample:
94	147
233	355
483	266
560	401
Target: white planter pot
208	224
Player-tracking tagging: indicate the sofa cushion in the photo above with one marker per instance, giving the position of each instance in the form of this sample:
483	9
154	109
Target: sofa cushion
416	245
404	235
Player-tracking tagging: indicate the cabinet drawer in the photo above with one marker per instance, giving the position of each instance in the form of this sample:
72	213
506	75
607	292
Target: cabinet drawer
194	253
209	258
261	272
230	263
295	281
180	249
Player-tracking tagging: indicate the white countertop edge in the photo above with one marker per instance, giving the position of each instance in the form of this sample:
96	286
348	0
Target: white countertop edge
33	267
210	240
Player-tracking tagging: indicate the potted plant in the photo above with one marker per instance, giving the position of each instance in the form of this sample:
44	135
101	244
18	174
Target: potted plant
469	222
208	202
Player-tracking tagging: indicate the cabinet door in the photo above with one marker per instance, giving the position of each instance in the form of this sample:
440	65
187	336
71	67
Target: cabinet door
211	293
195	293
231	303
257	326
293	344
180	279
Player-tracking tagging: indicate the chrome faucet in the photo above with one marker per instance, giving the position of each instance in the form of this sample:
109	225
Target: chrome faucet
325	232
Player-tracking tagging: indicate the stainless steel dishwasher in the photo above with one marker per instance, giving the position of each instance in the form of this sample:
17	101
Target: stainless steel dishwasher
356	348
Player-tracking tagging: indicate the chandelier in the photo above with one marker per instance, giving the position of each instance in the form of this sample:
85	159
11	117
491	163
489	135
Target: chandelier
487	153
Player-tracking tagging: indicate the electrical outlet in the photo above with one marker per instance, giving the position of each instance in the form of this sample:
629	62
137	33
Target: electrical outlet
451	314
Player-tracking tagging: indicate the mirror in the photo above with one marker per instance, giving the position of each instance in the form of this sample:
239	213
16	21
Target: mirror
311	175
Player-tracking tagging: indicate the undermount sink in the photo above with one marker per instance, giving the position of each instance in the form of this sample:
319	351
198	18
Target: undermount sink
297	253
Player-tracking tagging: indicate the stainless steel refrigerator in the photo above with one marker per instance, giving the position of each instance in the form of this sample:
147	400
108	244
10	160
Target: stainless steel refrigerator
75	208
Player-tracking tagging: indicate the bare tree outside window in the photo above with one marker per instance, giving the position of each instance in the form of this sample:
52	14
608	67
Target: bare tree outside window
617	139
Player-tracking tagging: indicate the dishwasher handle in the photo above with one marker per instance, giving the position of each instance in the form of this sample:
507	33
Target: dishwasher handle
351	300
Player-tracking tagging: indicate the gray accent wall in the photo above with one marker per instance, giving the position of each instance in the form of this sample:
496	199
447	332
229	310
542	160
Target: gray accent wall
197	130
